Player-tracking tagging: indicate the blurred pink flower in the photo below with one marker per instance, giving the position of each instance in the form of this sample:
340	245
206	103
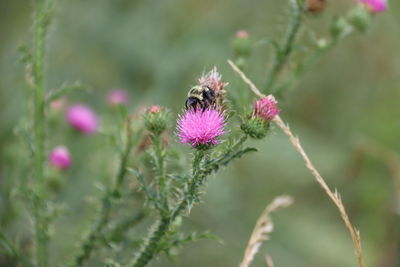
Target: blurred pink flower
242	34
154	109
58	104
375	6
82	118
266	108
200	127
60	157
117	97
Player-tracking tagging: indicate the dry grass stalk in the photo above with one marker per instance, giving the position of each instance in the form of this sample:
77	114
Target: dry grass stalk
263	228
335	197
268	261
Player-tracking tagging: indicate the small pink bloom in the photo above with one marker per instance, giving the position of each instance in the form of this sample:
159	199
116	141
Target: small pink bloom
82	118
60	157
58	104
154	109
266	108
199	126
375	6
242	34
117	97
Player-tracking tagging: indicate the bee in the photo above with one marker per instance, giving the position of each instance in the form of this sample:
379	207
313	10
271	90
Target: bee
200	97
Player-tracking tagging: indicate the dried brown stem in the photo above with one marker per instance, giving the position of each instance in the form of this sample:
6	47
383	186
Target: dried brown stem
263	228
335	197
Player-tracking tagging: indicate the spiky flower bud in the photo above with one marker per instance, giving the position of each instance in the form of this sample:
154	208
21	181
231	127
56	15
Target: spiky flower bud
156	119
340	27
257	125
361	18
242	44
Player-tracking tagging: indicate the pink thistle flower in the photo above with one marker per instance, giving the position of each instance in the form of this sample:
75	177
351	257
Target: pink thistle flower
200	127
154	109
60	158
117	97
242	34
375	6
213	80
82	118
266	108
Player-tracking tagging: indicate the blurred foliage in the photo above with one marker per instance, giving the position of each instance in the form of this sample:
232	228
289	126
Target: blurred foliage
156	50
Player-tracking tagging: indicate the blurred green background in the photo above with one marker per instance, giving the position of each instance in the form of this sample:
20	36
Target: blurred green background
156	50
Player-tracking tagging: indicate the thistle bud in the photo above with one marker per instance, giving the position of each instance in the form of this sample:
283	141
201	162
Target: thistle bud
360	17
155	119
265	110
315	6
255	127
340	27
242	44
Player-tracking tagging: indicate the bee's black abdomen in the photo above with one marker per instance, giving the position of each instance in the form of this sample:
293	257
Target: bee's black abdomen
192	102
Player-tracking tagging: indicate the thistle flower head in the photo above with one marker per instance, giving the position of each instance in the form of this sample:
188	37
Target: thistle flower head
266	108
82	118
375	6
213	80
117	97
201	127
60	157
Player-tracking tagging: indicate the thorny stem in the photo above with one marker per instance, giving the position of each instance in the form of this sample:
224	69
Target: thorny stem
107	202
335	197
151	247
284	51
39	122
160	165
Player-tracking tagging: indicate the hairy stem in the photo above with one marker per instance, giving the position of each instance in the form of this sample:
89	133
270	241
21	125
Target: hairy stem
283	52
151	247
39	127
160	173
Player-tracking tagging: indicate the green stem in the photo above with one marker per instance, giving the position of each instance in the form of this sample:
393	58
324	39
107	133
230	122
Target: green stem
103	218
161	179
151	247
284	51
39	127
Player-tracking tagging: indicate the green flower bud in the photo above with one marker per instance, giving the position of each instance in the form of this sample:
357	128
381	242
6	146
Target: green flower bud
340	27
155	120
242	45
255	127
360	17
